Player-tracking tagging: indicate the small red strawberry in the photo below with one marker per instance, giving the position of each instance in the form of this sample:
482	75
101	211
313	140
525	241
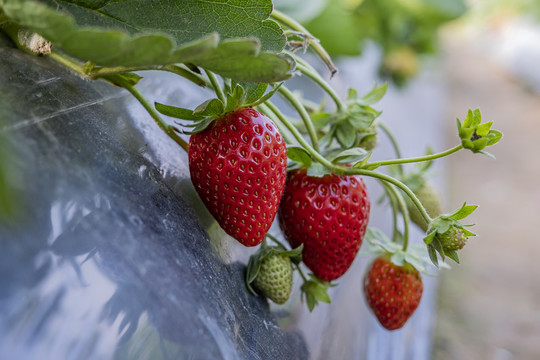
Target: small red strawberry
392	292
238	167
329	215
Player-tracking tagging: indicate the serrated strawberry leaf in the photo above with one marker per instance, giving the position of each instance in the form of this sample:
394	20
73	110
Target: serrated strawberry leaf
300	155
120	36
266	96
375	95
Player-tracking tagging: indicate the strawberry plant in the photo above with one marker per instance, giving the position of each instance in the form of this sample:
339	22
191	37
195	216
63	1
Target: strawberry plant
247	159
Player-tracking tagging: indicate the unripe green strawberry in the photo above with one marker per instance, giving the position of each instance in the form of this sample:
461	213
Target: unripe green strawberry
275	278
453	239
430	198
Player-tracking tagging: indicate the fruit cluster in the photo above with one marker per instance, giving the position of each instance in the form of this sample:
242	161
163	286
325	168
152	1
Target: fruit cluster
249	164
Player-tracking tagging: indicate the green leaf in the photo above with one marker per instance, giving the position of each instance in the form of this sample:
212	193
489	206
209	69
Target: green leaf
353	155
362	117
265	97
315	290
345	134
317	170
300	155
493	137
145	33
373	96
433	255
212	107
463	212
254	91
176	112
235	99
453	255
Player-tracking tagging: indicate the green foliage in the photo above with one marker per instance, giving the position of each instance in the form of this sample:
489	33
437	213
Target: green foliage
315	290
143	33
402	28
474	135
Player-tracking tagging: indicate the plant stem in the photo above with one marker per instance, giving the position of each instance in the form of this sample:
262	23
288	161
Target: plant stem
303	114
168	129
404	212
393	203
217	87
274	239
313	42
416	159
394	142
321	82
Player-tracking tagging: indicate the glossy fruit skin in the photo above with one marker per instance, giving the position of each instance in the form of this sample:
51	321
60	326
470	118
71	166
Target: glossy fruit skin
238	166
275	278
392	292
329	215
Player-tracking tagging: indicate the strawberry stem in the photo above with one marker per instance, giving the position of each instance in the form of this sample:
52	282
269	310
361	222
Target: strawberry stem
312	41
394	142
305	69
394	205
289	96
217	86
416	159
404	211
171	131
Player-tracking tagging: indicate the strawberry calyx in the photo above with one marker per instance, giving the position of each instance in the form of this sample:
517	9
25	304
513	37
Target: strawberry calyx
476	136
376	243
264	252
314	291
446	234
235	96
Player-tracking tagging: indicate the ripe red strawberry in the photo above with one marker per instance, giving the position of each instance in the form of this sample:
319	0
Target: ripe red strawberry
392	292
329	215
238	167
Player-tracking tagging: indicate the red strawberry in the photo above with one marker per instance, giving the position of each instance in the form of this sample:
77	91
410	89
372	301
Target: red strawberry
238	167
392	292
329	215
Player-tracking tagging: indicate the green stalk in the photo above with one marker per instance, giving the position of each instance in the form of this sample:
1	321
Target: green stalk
416	159
405	212
321	82
303	114
394	205
217	87
313	42
394	142
168	129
